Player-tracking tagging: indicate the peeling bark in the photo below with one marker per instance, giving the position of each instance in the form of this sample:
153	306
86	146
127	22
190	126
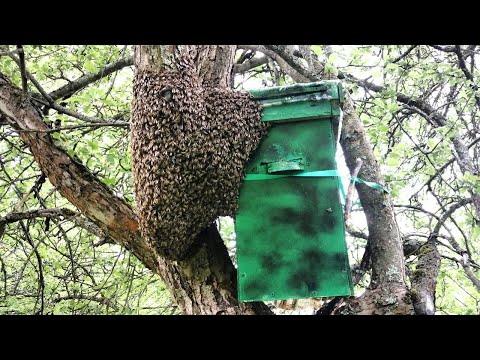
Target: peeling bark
385	243
204	284
384	237
424	279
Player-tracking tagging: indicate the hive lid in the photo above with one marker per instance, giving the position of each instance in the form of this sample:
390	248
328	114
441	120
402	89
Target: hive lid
307	101
326	90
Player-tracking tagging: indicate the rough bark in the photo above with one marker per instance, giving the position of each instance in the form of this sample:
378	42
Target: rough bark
210	274
385	241
388	267
423	289
424	279
387	292
203	284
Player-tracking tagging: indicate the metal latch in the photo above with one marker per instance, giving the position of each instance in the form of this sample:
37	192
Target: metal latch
283	166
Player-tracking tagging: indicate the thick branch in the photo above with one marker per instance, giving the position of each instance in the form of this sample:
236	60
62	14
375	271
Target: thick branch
94	199
194	291
250	64
388	269
289	70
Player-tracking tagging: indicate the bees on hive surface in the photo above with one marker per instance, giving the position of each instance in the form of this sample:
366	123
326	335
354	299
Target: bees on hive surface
190	143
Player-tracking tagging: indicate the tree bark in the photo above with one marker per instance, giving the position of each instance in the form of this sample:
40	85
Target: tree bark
203	284
387	293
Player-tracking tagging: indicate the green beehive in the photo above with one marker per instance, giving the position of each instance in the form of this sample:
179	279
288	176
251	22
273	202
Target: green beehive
289	226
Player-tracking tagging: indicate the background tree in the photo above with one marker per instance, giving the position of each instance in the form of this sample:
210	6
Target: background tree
67	225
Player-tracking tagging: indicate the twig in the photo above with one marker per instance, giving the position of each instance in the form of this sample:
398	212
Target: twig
17	216
41	279
409	50
85	80
51	103
73	127
21	55
101	300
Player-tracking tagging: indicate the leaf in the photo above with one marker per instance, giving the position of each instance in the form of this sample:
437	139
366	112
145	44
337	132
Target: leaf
111	159
93	145
90	66
332	58
431	143
476	232
109	181
317	49
392	161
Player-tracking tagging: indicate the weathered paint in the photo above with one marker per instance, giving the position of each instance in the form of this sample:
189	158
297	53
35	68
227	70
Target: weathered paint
290	230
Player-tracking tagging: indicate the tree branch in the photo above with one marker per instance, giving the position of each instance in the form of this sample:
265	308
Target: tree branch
464	159
53	212
93	198
85	80
295	75
409	50
250	64
468	74
101	300
448	48
283	52
49	101
21	55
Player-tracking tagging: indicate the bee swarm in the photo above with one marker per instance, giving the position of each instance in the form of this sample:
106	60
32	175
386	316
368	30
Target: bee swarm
190	144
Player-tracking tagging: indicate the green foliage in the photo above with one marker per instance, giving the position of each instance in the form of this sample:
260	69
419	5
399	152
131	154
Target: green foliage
83	277
79	276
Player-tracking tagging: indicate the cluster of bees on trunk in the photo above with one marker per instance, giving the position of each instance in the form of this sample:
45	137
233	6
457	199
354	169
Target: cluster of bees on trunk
190	143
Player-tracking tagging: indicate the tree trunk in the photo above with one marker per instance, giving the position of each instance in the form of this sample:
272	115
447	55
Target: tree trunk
205	283
387	293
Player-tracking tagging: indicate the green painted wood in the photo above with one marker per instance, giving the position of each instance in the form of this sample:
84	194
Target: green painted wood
300	101
329	90
297	111
290	230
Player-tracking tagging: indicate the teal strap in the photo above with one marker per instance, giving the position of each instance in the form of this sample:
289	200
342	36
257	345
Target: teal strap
322	173
304	174
369	183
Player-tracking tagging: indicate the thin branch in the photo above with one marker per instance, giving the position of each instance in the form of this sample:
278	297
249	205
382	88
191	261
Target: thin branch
4	273
467	73
283	52
85	80
449	213
53	212
423	108
409	50
61	109
101	300
289	70
444	166
73	127
21	55
50	102
41	280
448	48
